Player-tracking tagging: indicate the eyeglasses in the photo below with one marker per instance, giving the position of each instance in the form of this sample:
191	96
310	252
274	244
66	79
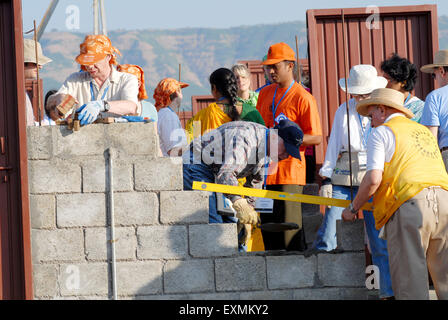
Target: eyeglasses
433	75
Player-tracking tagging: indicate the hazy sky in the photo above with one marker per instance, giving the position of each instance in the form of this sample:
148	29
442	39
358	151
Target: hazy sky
172	14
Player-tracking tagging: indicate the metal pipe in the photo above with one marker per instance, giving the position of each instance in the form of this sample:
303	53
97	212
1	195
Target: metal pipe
39	105
346	103
46	18
111	156
299	73
95	16
103	18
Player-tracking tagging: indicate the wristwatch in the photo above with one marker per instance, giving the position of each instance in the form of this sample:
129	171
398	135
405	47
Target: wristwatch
106	106
352	209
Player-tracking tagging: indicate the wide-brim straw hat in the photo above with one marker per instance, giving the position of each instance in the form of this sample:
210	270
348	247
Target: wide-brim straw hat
387	97
29	53
363	79
440	60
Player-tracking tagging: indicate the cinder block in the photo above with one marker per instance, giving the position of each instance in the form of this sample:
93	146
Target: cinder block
343	269
184	207
223	296
268	295
88	141
309	209
317	294
139	278
213	240
45	280
57	245
136	208
311	225
242	273
84	279
98	246
288	272
42	211
189	276
81	210
162	242
331	294
350	235
95	175
54	176
159	174
39	142
133	138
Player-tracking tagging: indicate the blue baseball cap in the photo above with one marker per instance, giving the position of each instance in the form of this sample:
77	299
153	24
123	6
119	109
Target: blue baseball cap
292	136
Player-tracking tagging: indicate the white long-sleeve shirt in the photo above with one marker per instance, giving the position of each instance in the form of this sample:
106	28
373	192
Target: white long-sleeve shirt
338	142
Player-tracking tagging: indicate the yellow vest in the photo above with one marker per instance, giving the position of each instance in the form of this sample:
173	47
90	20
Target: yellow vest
415	165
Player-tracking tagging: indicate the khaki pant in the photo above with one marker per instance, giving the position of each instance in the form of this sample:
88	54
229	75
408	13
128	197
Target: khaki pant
417	240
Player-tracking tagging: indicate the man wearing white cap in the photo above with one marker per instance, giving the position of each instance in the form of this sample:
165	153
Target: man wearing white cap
335	171
409	184
435	111
31	65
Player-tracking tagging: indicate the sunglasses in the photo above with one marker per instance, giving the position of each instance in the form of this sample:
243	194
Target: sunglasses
433	75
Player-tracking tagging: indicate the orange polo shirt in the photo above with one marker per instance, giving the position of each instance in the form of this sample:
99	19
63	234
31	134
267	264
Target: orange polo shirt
297	105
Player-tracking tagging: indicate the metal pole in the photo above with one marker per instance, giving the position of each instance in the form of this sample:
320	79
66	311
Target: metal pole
299	73
37	76
346	103
95	16
110	156
46	18
103	18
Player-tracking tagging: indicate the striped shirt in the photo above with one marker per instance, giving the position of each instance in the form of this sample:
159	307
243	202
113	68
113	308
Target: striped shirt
235	150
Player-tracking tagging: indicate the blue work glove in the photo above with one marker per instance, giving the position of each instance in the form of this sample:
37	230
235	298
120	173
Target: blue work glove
89	112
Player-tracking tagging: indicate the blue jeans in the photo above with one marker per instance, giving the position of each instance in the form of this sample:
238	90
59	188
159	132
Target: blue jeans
326	237
201	172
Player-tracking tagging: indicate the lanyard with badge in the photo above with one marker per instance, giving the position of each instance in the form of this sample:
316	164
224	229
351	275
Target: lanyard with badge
92	95
275	106
264	204
362	155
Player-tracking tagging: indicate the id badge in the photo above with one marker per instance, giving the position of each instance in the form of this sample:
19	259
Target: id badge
264	205
362	160
280	117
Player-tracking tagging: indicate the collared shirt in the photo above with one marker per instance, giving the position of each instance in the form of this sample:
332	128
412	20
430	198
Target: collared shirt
171	133
435	114
235	150
338	142
121	86
381	145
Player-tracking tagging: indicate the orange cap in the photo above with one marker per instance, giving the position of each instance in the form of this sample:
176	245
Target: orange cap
138	72
164	89
95	48
279	52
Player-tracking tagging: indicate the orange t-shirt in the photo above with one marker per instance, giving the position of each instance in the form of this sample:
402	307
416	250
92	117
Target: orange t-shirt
300	106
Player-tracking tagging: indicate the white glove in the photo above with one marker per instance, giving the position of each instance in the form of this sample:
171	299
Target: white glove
326	190
89	112
245	213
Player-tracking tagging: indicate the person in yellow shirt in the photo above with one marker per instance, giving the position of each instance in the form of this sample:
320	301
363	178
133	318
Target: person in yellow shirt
407	178
226	107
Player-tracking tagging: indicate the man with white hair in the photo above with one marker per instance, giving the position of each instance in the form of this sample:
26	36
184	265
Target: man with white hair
407	178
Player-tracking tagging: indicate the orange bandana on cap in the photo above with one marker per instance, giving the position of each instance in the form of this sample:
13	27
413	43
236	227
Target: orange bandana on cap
95	48
164	89
138	72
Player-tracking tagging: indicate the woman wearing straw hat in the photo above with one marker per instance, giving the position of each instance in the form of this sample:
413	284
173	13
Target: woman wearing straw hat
362	80
407	179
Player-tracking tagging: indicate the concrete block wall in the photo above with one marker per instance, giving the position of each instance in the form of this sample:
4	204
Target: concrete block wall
164	246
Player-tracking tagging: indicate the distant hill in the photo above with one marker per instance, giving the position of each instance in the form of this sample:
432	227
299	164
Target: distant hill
199	51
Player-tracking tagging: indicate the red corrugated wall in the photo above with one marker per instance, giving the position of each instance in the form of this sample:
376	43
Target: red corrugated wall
411	31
